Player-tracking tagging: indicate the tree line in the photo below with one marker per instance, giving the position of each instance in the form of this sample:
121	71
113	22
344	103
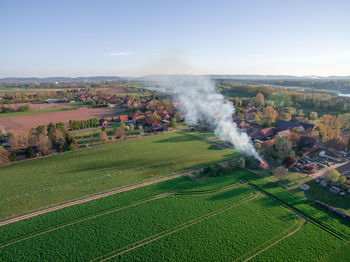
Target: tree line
81	124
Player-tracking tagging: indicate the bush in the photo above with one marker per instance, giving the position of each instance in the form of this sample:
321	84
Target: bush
29	152
241	163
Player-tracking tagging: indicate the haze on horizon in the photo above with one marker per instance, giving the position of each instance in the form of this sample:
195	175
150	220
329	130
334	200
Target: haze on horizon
134	38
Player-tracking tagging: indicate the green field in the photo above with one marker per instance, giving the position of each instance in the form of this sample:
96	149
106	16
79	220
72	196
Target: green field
40	111
214	219
36	183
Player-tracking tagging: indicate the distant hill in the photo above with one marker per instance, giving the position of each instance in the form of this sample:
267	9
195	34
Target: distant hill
163	78
59	79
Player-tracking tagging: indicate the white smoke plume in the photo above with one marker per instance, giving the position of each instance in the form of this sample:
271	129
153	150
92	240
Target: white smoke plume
201	103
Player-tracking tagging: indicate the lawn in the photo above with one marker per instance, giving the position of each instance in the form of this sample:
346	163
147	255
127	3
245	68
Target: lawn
212	219
36	183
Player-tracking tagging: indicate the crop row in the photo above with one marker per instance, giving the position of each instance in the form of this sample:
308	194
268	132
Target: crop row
67	215
103	234
225	237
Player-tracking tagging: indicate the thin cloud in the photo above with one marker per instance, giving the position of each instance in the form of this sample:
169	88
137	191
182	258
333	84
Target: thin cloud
120	53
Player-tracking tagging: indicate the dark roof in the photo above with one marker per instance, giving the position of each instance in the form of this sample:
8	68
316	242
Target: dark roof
284	125
307	125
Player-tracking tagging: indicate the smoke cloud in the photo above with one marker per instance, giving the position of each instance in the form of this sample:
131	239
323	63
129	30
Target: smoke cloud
200	103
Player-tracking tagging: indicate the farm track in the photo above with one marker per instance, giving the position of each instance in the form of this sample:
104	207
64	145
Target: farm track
300	226
82	219
170	231
94	197
142	201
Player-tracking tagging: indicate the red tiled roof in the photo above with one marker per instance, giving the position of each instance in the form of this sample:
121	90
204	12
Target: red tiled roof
124	118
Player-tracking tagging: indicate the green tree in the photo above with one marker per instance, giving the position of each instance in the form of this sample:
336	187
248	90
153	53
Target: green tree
284	116
342	180
270	115
259	99
332	175
173	122
241	163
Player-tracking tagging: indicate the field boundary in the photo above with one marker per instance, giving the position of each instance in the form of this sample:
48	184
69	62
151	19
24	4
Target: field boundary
170	231
297	211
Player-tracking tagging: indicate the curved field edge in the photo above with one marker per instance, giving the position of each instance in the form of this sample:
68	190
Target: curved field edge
329	222
308	244
72	175
341	254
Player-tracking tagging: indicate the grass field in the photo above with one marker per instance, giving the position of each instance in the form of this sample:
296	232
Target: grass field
45	110
36	183
213	219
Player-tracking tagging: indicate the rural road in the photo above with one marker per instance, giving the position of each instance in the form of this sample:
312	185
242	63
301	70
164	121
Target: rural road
98	196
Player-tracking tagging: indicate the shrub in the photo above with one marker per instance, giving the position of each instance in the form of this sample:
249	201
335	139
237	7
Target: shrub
103	137
4	156
12	156
309	169
29	152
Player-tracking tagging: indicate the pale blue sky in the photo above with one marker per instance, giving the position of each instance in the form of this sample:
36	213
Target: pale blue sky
86	38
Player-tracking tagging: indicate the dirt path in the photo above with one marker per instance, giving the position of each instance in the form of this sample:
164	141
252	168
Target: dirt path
90	198
323	171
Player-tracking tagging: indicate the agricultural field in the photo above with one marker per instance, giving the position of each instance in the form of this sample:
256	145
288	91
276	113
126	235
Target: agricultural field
36	183
224	218
18	124
86	138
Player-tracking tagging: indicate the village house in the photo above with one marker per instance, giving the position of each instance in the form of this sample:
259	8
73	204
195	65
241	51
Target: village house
104	122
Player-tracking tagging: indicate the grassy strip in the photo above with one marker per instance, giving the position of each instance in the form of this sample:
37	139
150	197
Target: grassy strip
327	221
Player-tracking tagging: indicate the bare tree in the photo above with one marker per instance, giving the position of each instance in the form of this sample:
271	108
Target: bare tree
4	156
44	144
103	137
280	172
